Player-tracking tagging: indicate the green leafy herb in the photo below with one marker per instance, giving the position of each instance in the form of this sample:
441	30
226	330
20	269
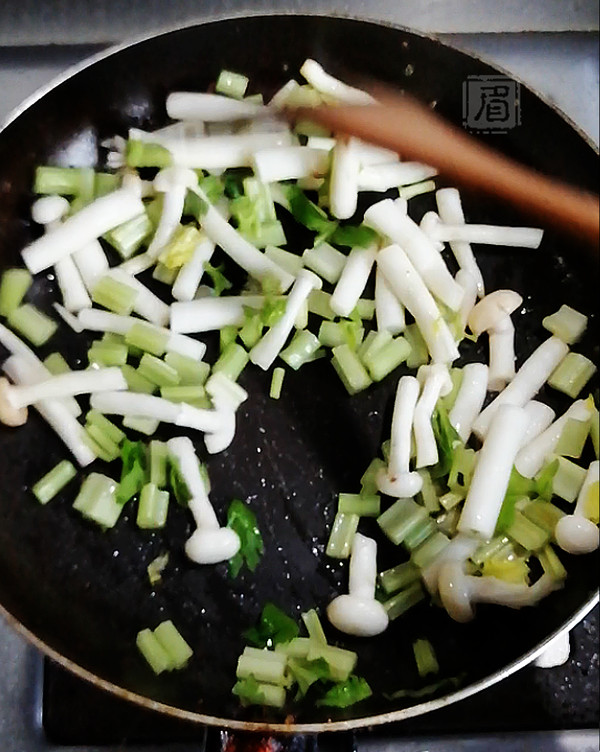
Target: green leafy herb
346	693
178	486
543	484
353	236
429	689
305	673
518	487
309	214
219	280
243	520
249	692
447	440
274	627
133	471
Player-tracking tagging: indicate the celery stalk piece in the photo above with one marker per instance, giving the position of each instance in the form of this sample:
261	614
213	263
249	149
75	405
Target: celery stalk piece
420	534
30	322
56	364
526	533
191	372
368	480
155	568
568	479
129	237
400	518
136	382
264	665
141	424
425	658
351	371
107	354
341	662
173	643
106	426
114	295
567	324
63	181
403	600
543	514
104	447
13	288
232	361
291	262
159	454
314	627
341	536
97	500
573	438
152	650
157	371
429	550
153	507
399	577
252	692
231	84
276	383
387	358
572	374
326	261
54	481
319	303
194	395
361	504
551	564
301	349
147	338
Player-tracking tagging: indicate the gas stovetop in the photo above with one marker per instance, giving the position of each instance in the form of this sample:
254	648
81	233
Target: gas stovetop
42	708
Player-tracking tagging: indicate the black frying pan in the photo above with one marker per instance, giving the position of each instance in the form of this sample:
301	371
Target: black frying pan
81	595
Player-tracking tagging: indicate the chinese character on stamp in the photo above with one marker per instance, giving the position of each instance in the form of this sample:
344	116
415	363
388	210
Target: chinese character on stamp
491	104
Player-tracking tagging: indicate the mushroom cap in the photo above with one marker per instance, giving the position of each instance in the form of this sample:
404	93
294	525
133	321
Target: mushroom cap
212	545
453	587
492	310
576	534
362	617
171	176
402	486
9	415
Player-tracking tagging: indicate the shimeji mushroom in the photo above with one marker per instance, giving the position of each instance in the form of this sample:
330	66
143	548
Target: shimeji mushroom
576	533
226	397
492	315
209	543
470	398
343	182
397	480
459	591
435	383
460	548
358	613
10	415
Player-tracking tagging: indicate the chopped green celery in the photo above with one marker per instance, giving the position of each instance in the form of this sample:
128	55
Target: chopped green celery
267	234
105	182
163	274
218	279
13	288
387	358
303	346
305	673
276	383
56	364
326	261
452	682
368	480
274	628
451	499
54	481
567	324
361	504
297	647
425	658
252	692
514	570
595	430
114	295
347	693
353	236
373	342
154	209
156	568
573	438
401	518
152	650
141	424
242	520
304	127
129	237
64	181
351	371
544	480
133	470
334	333
152	507
493	548
232	361
97	500
416	189
385	450
429	494
551	564
365	309
399	577
191	372
591	502
193	395
144	154
107	354
173	643
314	627
447	522
264	665
425	553
572	374
102	444
252	329
180	248
447	439
341	662
403	600
32	324
158	461
319	303
419	534
231	84
136	382
568	479
342	535
288	261
212	186
519	488
544	514
147	338
157	371
419	354
526	533
456	376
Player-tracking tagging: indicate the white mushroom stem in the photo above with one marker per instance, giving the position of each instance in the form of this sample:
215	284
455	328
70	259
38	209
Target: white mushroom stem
397	479
495	461
332	87
66	385
91	262
539	417
270	345
409	288
382	177
370	155
459	591
529	379
469	399
451	212
96	320
389	311
358	613
429	220
353	280
390	221
435	383
226	397
209	543
212	108
492	309
575	533
224	151
343	183
534	455
147	304
190	275
471	289
460	548
207	314
519	237
501	354
21	371
240	250
290	163
173	183
90	223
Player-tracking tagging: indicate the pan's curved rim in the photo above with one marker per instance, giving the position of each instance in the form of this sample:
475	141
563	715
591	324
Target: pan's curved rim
288	728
